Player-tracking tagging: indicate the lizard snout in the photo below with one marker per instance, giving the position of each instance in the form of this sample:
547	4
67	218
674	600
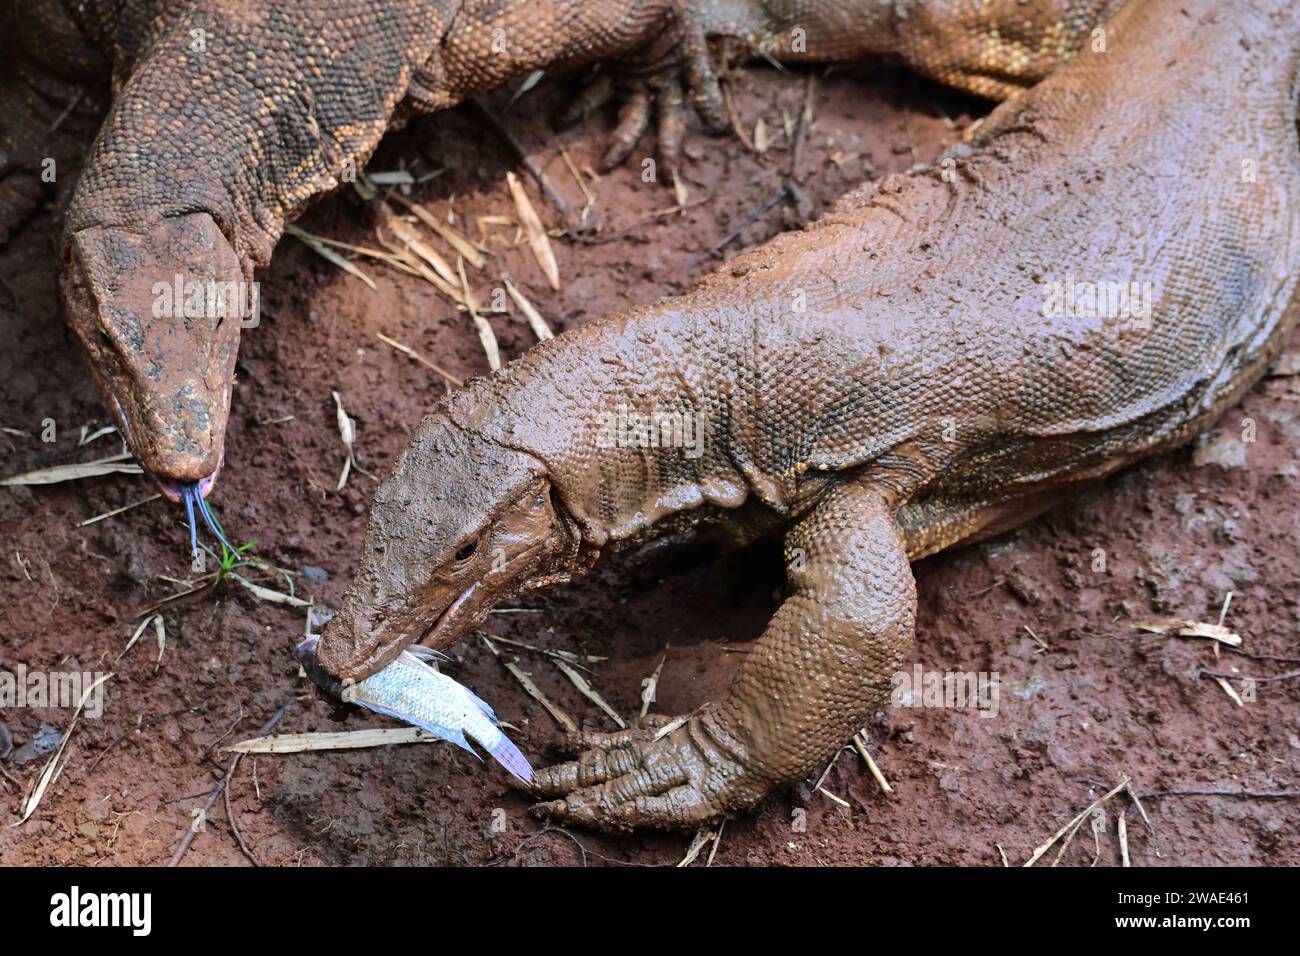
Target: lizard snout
158	310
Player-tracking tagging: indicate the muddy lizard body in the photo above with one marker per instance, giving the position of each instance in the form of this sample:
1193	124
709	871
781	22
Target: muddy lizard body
229	117
917	369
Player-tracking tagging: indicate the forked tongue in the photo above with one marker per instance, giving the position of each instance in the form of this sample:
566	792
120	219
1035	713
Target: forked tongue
192	497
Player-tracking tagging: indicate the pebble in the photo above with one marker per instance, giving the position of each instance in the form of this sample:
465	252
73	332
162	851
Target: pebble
314	574
45	739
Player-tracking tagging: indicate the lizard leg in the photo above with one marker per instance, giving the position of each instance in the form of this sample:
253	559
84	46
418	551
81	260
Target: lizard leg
652	83
824	664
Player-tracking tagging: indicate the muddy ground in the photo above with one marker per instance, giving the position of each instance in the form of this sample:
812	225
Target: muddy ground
1085	699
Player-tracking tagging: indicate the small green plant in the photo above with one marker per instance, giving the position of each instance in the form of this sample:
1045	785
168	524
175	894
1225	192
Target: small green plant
229	560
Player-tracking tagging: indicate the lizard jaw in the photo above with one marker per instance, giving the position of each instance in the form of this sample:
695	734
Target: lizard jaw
446	629
416	623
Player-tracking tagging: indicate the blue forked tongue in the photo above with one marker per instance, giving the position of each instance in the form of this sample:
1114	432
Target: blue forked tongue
193	498
189	516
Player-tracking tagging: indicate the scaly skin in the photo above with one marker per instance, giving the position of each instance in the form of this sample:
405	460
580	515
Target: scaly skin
881	386
212	146
992	48
229	117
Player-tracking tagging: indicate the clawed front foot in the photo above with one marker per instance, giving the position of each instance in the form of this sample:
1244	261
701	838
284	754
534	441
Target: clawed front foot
643	777
658	83
822	666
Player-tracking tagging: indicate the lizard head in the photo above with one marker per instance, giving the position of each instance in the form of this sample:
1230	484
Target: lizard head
158	311
461	524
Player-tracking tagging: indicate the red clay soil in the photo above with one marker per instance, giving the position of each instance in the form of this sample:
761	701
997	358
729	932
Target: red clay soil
1086	699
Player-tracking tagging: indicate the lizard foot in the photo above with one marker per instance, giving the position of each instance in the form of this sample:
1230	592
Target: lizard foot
674	68
644	777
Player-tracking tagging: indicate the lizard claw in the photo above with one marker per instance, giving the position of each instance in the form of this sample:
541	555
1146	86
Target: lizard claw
653	84
644	778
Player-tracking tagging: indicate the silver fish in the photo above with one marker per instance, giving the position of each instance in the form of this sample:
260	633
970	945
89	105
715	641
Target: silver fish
413	691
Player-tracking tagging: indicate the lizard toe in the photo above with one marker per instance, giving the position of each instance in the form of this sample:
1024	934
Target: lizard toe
591	97
592	767
641	779
573	743
639	801
701	78
633	121
672	124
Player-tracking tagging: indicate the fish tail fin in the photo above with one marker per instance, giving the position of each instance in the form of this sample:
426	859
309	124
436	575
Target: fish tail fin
509	756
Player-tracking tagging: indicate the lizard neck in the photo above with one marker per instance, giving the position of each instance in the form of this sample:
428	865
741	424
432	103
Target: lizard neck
617	414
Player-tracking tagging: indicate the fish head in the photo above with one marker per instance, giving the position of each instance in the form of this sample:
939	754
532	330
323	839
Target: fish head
461	524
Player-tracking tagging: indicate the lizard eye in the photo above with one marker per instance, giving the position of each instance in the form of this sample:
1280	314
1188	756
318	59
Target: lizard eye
466	550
